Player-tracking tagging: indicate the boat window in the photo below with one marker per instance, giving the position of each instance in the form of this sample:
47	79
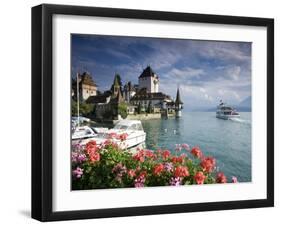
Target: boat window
139	127
133	127
88	131
118	126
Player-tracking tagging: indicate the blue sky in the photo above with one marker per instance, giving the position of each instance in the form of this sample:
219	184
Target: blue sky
205	71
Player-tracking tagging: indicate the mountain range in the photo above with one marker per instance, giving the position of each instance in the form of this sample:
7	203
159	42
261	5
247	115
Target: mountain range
244	106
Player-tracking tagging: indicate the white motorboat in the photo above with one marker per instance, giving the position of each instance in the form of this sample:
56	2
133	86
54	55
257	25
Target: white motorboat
83	132
226	112
132	129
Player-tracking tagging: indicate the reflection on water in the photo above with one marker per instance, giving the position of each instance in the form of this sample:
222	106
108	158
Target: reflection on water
229	141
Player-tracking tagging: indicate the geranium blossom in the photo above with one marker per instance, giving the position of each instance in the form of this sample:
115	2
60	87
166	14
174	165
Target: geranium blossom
176	159
78	172
181	171
208	164
186	147
123	136
94	157
178	147
131	173
158	168
119	170
109	165
196	152
78	157
175	181
139	156
166	154
234	180
139	182
199	177
149	154
221	178
168	166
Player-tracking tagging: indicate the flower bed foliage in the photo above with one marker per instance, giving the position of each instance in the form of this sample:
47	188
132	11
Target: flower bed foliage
108	166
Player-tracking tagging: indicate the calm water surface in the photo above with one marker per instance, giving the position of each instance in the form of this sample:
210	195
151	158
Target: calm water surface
229	141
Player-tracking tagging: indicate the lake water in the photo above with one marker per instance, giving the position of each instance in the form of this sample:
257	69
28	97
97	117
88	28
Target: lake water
229	141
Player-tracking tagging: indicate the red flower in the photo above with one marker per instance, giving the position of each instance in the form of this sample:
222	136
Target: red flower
208	164
94	156
199	177
123	136
131	173
91	144
196	152
149	154
140	156
143	174
221	178
179	159
158	168
166	154
181	171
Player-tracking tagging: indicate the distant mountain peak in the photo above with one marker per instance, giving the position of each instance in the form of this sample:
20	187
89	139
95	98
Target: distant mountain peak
245	105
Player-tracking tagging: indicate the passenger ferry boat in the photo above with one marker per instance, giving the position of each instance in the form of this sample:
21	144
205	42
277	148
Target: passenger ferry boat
226	112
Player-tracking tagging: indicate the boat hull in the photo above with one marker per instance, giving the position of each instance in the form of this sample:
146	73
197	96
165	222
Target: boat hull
226	117
130	142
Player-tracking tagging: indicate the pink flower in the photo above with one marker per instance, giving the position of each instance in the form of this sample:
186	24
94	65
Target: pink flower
175	181
178	147
185	146
234	180
78	172
112	135
199	177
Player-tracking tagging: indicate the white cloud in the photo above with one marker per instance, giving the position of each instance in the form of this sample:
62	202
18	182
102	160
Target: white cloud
185	73
233	72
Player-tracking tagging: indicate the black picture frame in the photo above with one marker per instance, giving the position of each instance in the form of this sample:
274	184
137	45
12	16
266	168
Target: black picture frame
42	111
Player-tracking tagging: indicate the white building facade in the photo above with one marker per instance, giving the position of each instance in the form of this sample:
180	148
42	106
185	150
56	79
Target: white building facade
149	80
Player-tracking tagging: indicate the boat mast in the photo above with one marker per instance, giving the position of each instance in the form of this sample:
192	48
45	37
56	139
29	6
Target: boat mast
77	91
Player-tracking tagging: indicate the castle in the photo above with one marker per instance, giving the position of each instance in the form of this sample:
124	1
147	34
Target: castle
143	97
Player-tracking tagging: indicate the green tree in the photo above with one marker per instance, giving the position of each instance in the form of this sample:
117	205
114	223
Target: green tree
84	109
149	108
122	110
139	108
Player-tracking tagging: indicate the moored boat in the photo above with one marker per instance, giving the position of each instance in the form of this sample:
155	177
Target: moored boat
132	131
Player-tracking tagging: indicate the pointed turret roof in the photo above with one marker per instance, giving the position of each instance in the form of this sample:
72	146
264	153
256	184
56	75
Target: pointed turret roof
118	99
86	79
178	98
116	82
148	72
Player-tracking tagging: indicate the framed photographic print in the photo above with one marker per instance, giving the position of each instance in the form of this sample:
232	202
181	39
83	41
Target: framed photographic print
146	112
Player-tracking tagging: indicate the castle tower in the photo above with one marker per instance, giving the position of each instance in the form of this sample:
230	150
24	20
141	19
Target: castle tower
149	80
129	91
87	86
116	86
178	104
